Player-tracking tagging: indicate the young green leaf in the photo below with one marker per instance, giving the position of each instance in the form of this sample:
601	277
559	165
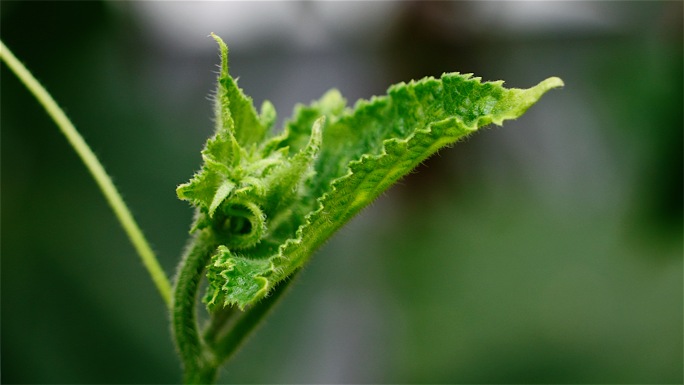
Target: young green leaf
272	200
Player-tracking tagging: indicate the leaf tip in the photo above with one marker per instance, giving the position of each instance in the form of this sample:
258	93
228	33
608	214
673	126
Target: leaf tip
550	83
224	53
525	98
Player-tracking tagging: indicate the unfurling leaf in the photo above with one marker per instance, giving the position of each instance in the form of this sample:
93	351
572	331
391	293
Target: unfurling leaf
272	200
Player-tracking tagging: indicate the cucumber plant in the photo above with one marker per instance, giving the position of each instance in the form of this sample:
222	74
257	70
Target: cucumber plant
265	200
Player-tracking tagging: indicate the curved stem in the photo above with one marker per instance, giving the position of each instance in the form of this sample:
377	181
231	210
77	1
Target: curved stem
103	180
198	362
202	356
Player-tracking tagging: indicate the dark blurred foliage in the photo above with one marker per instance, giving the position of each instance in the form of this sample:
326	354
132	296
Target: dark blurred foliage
546	251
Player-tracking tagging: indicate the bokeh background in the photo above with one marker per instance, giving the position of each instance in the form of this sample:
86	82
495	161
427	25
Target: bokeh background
546	251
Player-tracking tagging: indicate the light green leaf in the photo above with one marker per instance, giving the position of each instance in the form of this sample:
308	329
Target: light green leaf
328	164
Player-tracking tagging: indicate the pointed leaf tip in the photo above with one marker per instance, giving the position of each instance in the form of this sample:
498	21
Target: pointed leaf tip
224	53
545	85
541	88
550	83
519	100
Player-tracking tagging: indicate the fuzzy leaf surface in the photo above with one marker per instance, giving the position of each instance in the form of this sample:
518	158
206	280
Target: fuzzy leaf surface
281	196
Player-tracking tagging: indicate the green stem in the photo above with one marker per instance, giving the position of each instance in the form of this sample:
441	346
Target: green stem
219	319
231	342
96	170
198	362
202	356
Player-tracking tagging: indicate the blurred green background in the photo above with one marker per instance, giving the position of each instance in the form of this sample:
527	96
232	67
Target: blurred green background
547	251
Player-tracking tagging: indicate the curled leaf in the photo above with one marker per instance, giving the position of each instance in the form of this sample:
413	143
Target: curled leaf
274	199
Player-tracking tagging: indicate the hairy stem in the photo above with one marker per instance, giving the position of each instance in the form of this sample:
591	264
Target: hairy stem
228	328
103	180
198	362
